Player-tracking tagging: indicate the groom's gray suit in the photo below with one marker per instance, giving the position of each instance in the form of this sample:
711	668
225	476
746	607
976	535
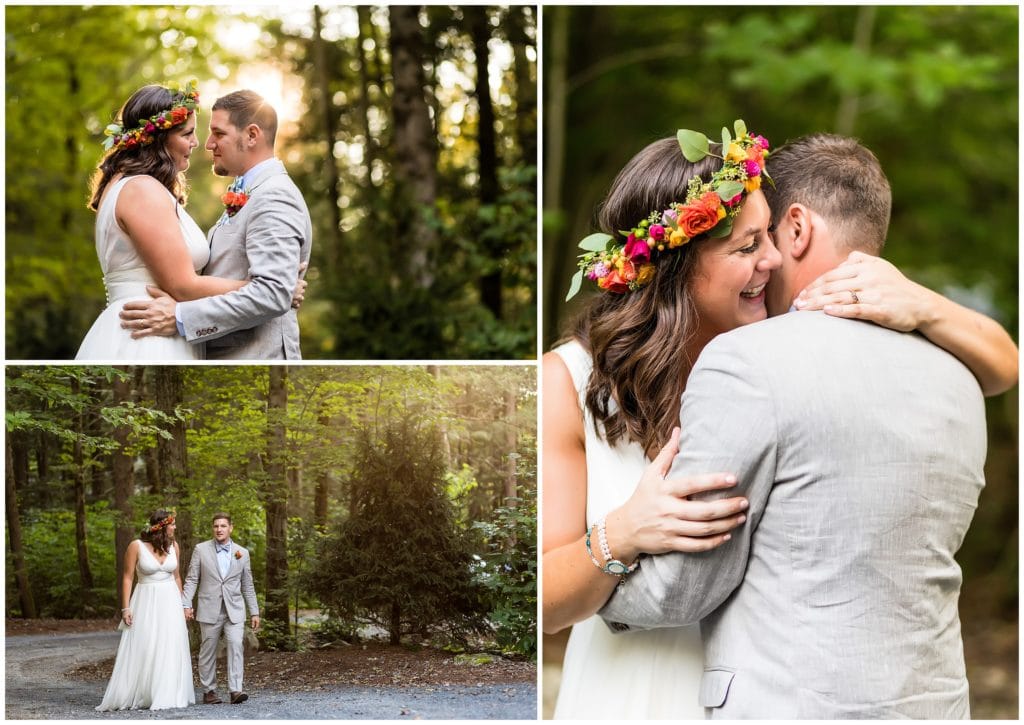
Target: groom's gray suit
221	608
861	452
265	242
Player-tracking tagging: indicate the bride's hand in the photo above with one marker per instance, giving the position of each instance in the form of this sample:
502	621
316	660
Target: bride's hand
126	616
865	287
659	517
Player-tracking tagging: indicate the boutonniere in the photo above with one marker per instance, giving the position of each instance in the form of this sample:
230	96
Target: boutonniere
238	554
234	201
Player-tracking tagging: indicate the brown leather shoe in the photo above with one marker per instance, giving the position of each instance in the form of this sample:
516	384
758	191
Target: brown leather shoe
210	698
238	697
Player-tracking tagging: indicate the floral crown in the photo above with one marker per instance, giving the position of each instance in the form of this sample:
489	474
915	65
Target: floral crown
161	524
710	207
186	100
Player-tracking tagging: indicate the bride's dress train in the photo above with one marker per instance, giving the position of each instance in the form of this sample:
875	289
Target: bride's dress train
654	674
125	277
153	669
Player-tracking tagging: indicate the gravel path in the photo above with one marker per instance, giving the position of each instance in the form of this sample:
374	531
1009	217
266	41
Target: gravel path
38	689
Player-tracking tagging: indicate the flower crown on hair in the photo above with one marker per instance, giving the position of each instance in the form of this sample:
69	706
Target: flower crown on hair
161	524
710	207
186	100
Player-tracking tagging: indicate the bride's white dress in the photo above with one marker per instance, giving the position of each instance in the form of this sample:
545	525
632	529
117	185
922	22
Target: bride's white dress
125	277
153	669
652	674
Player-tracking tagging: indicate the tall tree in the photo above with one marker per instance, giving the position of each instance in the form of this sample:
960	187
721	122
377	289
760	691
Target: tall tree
172	453
122	475
78	480
413	143
275	498
330	120
25	598
487	166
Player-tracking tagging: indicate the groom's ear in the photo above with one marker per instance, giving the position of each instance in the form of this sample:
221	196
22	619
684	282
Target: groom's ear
797	239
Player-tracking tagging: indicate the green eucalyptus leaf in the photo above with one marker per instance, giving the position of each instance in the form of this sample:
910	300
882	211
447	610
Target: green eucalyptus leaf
729	189
722	229
574	286
726	140
741	128
596	242
694	144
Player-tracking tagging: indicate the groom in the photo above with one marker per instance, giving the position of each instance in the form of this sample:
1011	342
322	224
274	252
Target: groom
264	235
220	569
860	450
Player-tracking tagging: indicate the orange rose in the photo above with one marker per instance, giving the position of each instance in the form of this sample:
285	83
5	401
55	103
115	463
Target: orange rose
700	216
645	275
618	279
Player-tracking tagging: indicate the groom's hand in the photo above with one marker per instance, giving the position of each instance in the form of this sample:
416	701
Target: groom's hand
189	614
255	621
155	317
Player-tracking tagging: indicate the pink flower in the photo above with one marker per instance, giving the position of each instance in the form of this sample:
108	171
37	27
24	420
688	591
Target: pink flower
735	200
598	270
636	248
762	141
669	216
657	232
150	128
752	167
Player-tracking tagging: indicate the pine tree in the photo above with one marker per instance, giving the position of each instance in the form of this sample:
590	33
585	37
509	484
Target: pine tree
399	559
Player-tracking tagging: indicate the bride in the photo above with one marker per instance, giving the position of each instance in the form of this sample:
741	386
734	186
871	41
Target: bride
612	392
153	669
144	236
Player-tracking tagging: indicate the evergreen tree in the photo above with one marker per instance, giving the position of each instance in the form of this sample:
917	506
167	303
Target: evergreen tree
399	559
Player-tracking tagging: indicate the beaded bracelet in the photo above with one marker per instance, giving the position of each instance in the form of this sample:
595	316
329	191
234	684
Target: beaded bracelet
614	567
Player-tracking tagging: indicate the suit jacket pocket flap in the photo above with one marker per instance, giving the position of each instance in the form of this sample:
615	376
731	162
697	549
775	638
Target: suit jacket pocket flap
714	687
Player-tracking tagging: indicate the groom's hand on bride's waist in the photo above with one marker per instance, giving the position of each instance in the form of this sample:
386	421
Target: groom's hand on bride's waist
152	317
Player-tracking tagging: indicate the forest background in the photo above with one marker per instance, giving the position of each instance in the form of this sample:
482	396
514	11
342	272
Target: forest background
399	499
933	91
411	132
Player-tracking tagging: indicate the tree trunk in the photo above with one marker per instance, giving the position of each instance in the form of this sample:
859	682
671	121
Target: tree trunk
25	598
480	30
78	480
554	165
321	497
123	479
369	143
275	501
413	143
321	69
511	441
526	86
395	623
849	102
172	455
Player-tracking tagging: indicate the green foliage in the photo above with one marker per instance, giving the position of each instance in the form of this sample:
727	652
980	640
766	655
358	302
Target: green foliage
398	560
509	573
51	558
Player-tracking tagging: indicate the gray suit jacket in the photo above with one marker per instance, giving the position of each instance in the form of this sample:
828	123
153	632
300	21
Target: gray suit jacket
265	242
235	590
861	452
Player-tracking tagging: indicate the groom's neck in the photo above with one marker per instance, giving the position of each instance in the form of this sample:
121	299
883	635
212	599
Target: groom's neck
256	157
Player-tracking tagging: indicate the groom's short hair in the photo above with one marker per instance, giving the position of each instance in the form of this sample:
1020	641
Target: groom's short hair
839	179
245	107
221	515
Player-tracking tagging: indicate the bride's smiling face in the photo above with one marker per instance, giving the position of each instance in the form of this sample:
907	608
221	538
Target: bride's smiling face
729	281
181	140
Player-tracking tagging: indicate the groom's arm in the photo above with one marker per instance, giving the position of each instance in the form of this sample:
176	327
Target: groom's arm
273	243
728	424
249	589
191	579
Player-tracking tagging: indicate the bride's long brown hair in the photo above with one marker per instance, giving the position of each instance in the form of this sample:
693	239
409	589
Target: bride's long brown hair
638	340
152	159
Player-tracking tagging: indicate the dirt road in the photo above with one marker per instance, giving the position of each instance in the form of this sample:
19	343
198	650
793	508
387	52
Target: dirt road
38	689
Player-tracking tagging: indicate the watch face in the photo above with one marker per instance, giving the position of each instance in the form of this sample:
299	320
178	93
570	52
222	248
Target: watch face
616	567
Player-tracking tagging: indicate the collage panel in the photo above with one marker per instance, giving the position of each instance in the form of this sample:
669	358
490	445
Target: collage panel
713	178
328	182
271	542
